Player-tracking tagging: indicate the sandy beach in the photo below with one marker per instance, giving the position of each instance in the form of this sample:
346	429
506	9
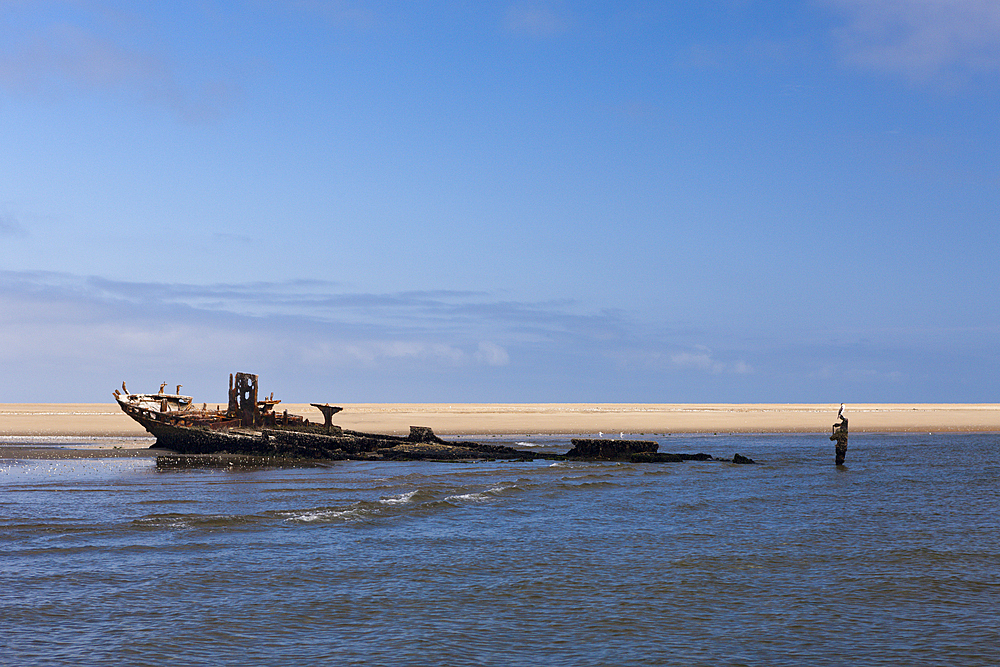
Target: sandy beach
106	419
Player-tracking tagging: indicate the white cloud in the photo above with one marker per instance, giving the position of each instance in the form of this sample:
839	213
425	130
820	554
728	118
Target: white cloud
921	38
703	360
492	354
699	358
741	367
372	351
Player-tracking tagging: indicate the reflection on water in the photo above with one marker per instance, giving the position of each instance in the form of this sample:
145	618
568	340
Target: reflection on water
889	560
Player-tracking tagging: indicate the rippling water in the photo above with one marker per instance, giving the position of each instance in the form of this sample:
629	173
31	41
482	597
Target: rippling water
892	559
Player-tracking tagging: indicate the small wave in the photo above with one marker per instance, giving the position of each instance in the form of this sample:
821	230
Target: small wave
324	516
474	497
353	512
359	510
400	499
482	496
163	521
193	521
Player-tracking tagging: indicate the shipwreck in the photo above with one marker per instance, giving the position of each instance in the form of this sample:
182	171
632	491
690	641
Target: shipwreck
253	427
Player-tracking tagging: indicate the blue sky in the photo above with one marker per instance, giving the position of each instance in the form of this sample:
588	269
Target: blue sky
729	201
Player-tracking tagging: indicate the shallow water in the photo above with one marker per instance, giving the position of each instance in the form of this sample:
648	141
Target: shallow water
892	559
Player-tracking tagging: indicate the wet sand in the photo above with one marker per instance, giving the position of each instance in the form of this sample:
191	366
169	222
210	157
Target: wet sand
40	420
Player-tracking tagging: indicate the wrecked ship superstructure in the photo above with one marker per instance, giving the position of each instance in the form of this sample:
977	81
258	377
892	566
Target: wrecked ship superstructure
252	427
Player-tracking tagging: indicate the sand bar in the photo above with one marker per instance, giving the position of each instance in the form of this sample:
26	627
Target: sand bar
107	420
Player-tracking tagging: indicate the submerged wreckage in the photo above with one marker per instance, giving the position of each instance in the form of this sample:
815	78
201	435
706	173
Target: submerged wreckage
252	427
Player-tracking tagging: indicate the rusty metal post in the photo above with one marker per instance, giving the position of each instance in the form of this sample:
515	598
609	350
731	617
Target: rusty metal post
246	396
328	412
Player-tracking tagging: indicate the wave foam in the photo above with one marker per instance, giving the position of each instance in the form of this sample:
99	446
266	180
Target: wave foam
481	496
398	500
319	516
474	497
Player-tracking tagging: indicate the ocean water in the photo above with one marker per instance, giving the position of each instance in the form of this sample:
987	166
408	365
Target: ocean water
890	560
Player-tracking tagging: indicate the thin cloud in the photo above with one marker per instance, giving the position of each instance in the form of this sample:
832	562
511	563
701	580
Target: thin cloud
82	53
65	337
697	358
534	20
349	14
709	56
702	359
75	54
858	375
921	39
229	238
394	350
327	328
10	226
492	354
